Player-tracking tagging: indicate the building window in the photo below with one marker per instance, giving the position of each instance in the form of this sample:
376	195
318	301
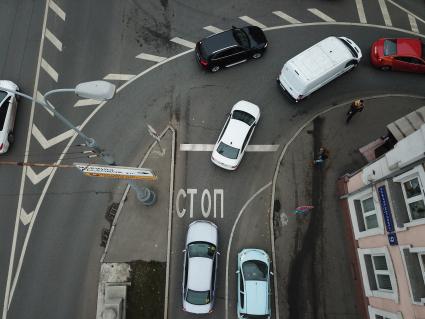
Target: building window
378	273
414	196
375	313
414	264
365	214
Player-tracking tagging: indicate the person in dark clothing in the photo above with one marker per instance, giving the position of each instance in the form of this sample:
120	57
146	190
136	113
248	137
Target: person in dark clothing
323	155
356	106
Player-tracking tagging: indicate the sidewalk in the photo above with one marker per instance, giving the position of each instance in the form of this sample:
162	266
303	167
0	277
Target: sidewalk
315	272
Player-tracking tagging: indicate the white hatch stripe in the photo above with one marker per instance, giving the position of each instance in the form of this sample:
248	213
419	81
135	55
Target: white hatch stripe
25	217
49	69
413	24
45	143
210	147
183	42
86	102
321	15
40	98
56	9
52	38
360	11
286	17
213	29
119	77
150	57
385	13
37	178
253	22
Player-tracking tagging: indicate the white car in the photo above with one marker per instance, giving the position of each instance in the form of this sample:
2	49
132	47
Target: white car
235	135
200	267
8	105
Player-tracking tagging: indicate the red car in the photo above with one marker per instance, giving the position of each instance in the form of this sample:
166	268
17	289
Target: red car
401	54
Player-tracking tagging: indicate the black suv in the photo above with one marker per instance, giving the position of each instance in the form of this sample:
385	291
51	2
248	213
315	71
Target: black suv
230	47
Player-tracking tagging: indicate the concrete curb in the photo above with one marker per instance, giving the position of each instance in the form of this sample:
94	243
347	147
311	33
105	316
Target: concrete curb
276	173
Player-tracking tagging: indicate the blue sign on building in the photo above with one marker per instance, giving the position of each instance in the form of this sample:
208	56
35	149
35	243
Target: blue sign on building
388	218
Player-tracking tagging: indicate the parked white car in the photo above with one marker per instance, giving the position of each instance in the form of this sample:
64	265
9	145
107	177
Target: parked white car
200	267
8	106
318	65
235	135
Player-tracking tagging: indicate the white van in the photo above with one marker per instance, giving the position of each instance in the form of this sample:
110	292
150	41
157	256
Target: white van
318	65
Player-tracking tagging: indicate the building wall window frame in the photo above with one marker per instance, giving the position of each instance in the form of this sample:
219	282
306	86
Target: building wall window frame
412	185
375	313
414	265
366	214
378	274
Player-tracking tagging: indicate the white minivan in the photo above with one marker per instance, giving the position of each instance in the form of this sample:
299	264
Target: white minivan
318	65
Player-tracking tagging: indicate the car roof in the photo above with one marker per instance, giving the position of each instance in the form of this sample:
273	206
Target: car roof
218	41
235	133
199	273
256	293
409	47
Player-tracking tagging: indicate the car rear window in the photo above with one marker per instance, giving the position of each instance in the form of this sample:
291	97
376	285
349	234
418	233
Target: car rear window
201	249
198	297
244	117
354	53
254	270
390	47
228	151
4	106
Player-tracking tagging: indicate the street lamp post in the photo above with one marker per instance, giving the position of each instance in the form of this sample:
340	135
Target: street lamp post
97	90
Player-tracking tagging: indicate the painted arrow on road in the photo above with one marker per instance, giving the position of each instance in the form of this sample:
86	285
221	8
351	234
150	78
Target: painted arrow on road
45	143
24	217
37	178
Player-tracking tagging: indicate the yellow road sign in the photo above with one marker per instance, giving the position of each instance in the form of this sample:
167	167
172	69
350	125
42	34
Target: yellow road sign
120	172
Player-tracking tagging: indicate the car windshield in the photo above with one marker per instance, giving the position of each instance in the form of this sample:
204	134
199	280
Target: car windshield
228	151
201	249
243	116
254	270
349	47
198	297
245	316
390	47
3	94
4	106
241	37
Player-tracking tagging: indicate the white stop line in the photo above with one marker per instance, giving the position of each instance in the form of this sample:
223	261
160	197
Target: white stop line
210	147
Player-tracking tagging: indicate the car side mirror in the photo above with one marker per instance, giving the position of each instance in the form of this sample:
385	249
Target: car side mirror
271	273
218	253
237	271
184	250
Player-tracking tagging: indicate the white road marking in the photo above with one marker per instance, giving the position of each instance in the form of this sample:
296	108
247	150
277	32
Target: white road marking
52	38
213	29
413	24
53	141
253	22
86	102
49	69
119	77
183	42
286	17
385	13
24	217
321	15
37	178
210	147
360	11
56	9
40	97
150	57
226	298
407	11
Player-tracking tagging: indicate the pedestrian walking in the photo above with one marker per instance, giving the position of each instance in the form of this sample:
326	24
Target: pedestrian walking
323	155
356	106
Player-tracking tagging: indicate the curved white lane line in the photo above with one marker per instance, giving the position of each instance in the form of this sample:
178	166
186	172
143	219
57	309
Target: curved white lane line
277	168
226	298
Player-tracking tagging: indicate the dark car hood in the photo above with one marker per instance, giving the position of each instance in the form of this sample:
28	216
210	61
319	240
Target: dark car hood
256	36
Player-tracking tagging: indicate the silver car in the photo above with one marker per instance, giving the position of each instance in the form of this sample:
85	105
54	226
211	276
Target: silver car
8	105
200	267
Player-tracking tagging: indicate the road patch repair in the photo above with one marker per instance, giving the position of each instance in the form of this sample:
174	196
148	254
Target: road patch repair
132	280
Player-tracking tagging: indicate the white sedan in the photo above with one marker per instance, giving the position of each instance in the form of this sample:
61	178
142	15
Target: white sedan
200	267
235	135
8	105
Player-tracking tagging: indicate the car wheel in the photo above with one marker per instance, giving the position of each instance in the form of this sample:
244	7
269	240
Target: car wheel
385	68
256	55
11	138
215	69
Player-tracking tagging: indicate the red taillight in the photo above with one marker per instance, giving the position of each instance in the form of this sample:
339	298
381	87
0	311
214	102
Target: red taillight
203	62
375	51
380	60
1	146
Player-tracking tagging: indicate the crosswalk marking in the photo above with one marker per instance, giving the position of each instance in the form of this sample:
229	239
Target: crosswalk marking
360	11
118	77
210	147
45	143
86	102
37	178
56	9
253	22
286	17
183	42
49	69
213	29
41	98
413	24
25	217
321	15
52	38
385	13
150	57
